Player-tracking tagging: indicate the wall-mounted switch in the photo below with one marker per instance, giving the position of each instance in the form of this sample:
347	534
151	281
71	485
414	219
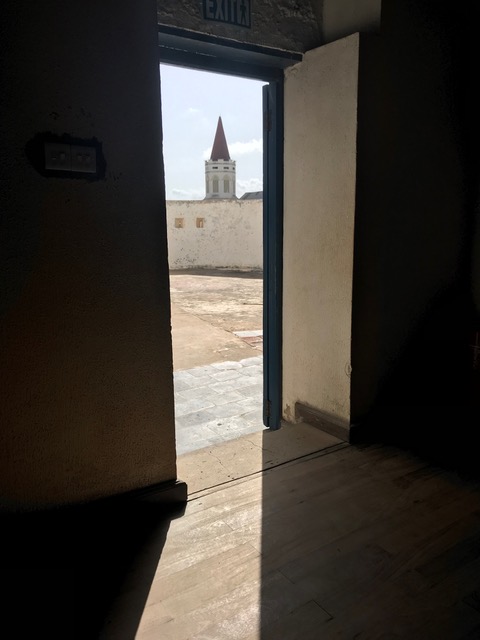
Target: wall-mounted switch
84	159
74	158
58	156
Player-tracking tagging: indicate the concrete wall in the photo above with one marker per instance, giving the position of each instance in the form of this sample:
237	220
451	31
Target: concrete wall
411	256
231	235
86	364
320	157
87	397
283	24
411	264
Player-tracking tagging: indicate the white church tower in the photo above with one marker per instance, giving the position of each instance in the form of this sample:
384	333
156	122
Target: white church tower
220	179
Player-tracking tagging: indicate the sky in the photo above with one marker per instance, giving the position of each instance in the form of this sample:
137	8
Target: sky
192	102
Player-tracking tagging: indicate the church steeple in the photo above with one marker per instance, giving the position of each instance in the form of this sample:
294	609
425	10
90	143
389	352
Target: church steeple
220	147
220	178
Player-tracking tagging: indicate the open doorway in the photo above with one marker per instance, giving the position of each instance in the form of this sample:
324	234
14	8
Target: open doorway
213	152
198	51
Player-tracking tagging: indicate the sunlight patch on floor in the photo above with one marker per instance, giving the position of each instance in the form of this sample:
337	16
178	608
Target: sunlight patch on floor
242	457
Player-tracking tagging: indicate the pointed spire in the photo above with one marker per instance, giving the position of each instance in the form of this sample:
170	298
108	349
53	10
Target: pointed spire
220	148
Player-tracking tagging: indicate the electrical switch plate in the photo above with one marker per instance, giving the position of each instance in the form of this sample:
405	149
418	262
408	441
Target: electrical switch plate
84	159
58	156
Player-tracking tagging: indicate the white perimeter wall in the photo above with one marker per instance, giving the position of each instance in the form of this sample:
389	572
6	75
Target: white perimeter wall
231	235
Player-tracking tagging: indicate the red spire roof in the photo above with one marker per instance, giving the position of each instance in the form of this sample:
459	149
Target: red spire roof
220	149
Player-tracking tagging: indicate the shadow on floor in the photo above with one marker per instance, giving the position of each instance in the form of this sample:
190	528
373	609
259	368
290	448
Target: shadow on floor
66	570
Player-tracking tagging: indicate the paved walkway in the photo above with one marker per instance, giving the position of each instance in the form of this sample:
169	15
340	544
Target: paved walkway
218	402
218	378
217	356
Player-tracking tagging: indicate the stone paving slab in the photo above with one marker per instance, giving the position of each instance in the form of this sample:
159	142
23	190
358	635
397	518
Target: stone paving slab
218	402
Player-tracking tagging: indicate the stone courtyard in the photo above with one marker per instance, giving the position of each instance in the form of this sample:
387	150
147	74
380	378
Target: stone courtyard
217	318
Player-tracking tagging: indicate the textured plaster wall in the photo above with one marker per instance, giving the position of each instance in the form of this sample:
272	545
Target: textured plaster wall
86	396
231	235
284	24
320	156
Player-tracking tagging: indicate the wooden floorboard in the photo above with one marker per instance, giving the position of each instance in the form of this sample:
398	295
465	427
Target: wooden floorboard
365	543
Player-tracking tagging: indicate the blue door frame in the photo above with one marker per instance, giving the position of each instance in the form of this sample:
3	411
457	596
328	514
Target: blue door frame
220	55
272	252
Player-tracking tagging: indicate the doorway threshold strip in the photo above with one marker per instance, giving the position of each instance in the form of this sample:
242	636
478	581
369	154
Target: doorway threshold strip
200	493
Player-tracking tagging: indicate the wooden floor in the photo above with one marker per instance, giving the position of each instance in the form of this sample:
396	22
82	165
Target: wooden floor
348	543
353	542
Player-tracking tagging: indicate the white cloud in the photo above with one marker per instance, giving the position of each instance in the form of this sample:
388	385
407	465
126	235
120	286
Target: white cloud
196	118
242	148
190	112
252	184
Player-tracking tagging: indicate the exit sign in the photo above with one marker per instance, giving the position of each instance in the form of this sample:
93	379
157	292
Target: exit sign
235	12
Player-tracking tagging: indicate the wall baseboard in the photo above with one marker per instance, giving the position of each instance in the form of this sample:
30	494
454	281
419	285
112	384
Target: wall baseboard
323	421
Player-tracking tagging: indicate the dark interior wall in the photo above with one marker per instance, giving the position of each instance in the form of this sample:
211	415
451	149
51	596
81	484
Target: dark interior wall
410	300
476	264
473	106
340	18
85	348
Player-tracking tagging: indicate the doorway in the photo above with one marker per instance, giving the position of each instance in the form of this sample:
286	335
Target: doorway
215	253
215	54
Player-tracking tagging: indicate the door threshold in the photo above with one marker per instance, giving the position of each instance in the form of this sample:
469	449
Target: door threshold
210	468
